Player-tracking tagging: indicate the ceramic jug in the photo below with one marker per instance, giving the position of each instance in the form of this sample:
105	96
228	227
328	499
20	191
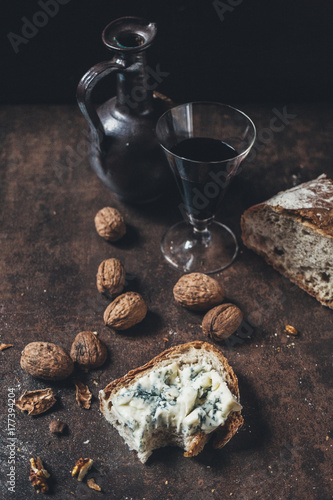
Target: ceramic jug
124	151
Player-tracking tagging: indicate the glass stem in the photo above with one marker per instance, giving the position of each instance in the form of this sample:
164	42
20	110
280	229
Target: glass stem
201	234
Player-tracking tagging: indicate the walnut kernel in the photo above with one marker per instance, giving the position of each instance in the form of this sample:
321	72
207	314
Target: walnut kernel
81	468
290	330
93	485
38	475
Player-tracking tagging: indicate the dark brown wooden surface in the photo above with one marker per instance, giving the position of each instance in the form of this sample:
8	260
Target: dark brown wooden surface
49	257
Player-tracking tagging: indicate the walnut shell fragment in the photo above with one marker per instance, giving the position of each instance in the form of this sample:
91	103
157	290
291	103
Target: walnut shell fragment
46	361
57	427
198	292
38	475
88	351
110	224
125	311
110	278
5	346
222	321
36	402
83	395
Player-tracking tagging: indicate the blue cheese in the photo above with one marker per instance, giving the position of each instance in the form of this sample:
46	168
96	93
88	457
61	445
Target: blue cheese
182	398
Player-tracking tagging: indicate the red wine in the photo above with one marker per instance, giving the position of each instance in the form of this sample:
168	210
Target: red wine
203	184
204	149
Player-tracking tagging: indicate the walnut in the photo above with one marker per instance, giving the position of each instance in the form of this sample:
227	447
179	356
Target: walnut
88	351
222	321
290	330
198	291
36	402
125	311
110	224
81	468
57	427
46	361
38	475
83	395
110	277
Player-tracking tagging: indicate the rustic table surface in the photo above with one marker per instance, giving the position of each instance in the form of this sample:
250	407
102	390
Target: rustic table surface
50	252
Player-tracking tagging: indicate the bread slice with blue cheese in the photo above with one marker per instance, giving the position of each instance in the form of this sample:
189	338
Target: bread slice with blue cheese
182	397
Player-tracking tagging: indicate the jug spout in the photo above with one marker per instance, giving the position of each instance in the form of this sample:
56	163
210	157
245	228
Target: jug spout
129	35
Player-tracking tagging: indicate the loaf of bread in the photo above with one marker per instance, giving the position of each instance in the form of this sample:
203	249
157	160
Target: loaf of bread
293	231
181	397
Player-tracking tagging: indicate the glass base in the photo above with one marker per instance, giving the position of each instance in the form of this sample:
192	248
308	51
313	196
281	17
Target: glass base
199	251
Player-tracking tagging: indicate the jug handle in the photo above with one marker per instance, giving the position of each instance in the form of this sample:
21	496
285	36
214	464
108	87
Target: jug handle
87	85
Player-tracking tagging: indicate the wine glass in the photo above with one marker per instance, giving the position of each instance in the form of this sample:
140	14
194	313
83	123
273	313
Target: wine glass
204	142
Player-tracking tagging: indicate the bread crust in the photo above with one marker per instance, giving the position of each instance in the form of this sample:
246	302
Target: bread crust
310	203
318	220
297	215
224	433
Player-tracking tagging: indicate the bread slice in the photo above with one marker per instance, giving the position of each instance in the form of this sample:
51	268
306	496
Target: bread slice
181	397
293	231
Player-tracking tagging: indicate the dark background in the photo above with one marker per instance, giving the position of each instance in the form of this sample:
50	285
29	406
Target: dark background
263	51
